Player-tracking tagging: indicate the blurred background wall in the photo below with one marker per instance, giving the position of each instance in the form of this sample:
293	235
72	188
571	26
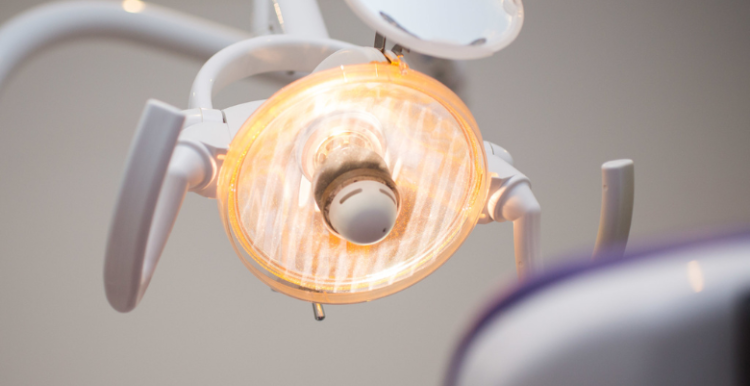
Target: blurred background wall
666	83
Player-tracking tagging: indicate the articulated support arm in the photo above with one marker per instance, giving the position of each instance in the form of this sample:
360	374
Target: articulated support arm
148	24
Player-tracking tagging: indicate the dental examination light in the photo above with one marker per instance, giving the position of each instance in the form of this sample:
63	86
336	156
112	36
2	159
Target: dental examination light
348	184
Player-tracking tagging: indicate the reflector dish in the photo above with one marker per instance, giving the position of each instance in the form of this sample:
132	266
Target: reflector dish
433	150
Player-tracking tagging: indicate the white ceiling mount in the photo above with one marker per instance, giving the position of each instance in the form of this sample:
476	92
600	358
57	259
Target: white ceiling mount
466	29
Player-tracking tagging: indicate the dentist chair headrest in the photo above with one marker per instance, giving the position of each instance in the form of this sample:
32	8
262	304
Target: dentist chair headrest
676	315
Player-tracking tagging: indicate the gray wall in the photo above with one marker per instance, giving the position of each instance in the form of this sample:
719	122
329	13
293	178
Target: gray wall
663	82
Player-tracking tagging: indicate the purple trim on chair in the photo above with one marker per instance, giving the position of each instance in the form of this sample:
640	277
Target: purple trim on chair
508	299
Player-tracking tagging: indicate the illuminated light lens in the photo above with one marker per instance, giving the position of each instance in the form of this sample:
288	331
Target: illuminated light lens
133	6
431	145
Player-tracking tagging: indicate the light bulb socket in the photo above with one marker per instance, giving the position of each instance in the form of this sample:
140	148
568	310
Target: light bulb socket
347	166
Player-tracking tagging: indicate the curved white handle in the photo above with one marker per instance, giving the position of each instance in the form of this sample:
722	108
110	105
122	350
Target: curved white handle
618	192
256	56
127	270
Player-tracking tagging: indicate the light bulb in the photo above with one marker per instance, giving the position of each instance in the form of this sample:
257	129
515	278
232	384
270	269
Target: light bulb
335	131
363	212
341	154
404	139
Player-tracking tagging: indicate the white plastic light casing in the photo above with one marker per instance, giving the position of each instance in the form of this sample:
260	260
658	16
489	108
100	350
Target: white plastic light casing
364	212
450	29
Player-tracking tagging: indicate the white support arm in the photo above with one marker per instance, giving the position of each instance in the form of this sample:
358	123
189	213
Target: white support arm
256	56
511	199
149	24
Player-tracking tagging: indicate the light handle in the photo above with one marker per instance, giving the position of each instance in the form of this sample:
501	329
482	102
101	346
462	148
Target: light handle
257	56
134	245
618	193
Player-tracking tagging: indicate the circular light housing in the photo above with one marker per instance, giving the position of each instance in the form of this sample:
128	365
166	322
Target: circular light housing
433	150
